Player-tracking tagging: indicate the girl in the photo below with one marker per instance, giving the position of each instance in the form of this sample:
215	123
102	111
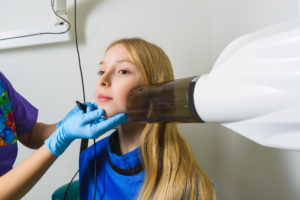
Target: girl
139	161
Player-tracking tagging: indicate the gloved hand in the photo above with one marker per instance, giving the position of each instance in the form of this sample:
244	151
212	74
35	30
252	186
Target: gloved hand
88	125
89	107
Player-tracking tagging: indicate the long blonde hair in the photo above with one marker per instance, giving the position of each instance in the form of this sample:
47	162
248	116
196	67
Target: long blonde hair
171	169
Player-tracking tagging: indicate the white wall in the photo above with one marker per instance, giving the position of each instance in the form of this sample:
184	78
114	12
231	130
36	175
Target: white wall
193	33
48	75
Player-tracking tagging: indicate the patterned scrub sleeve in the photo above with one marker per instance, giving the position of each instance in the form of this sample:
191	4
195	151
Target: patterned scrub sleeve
8	133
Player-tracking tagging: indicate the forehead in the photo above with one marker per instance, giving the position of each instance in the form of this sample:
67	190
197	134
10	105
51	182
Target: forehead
115	53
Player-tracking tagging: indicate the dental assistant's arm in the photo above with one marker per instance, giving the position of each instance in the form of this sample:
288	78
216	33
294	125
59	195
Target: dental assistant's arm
18	181
37	136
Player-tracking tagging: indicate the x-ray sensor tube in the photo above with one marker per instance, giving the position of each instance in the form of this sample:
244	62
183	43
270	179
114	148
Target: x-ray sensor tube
253	89
204	99
164	102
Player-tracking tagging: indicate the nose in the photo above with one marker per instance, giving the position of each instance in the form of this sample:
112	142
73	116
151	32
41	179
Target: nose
105	80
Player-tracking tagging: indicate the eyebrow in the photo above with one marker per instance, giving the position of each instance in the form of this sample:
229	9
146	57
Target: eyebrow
119	61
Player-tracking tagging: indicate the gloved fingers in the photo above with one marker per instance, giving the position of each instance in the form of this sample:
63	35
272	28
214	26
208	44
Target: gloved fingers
90	107
78	111
95	104
97	121
109	124
74	110
92	116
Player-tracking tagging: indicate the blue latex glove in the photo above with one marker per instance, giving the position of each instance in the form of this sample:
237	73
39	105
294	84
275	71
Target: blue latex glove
89	106
88	125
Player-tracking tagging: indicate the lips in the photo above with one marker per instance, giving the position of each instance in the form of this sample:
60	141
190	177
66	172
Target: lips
103	98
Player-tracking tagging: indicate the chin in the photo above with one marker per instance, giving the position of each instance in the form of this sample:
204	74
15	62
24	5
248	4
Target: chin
109	112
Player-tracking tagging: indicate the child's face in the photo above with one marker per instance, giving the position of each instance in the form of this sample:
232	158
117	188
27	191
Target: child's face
117	76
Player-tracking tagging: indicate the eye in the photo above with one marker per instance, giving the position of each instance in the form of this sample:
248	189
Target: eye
123	71
100	73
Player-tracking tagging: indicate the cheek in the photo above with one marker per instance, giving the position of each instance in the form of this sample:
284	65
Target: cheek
96	91
124	91
121	94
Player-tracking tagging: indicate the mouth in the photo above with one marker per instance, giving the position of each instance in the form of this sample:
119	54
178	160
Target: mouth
103	98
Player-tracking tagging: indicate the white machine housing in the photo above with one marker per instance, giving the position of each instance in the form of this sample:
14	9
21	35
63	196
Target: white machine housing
254	87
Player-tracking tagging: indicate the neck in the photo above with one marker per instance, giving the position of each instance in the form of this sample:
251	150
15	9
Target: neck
129	136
